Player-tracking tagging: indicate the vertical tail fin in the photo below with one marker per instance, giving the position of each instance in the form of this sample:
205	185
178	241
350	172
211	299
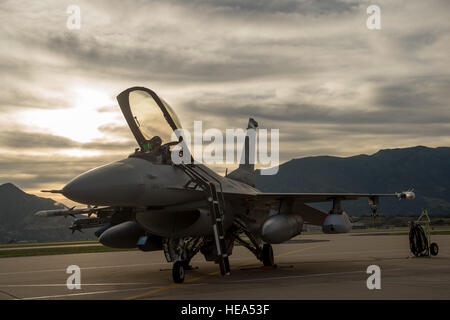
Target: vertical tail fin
248	163
246	171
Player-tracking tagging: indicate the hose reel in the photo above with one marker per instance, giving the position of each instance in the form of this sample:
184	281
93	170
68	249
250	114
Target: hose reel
419	237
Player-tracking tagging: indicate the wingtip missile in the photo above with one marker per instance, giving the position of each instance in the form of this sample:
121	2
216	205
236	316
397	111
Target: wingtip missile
410	195
65	212
53	213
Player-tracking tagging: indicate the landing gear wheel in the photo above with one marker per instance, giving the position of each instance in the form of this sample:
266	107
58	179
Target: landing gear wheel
178	272
267	255
434	249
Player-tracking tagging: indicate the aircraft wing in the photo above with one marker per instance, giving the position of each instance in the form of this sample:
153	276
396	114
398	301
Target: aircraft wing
324	197
316	217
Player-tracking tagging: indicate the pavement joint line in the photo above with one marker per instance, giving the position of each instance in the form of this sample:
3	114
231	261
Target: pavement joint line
93	267
310	275
81	294
296	251
52	247
352	252
145	294
65	285
9	295
84	268
174	285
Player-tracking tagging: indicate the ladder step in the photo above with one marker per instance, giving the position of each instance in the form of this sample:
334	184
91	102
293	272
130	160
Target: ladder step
216	209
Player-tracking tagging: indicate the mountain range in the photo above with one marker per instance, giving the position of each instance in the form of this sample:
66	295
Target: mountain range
17	222
426	170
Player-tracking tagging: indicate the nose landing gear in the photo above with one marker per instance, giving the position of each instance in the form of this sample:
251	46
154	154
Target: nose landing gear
181	251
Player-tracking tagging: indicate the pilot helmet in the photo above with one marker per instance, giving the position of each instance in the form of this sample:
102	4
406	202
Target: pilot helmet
152	144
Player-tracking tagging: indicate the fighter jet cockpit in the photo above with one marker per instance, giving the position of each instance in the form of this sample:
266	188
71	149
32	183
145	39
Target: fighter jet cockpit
152	122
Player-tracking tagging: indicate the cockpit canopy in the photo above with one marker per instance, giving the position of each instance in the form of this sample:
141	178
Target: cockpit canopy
148	116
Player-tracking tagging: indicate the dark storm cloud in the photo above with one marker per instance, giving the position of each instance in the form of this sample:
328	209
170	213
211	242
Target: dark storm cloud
420	40
225	57
230	61
33	172
416	95
397	103
126	146
35	140
22	96
304	135
28	140
307	7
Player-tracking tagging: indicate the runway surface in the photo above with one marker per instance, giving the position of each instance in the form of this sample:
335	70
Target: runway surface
309	267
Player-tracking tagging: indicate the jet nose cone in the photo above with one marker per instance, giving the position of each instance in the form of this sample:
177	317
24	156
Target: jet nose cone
112	184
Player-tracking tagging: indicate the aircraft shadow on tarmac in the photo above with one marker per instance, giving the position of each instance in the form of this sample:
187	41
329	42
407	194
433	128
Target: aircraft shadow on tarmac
371	234
305	241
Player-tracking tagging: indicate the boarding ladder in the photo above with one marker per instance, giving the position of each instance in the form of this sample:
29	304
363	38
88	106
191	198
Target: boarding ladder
199	177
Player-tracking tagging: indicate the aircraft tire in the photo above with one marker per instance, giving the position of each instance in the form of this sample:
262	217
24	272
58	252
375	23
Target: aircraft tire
434	249
178	272
267	255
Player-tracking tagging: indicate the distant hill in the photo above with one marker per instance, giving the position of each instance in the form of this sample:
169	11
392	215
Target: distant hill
427	170
17	221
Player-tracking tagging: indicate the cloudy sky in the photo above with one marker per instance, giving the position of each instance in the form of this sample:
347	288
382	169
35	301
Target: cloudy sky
311	68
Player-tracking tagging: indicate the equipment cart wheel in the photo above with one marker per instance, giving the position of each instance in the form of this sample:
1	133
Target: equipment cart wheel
267	255
434	249
178	272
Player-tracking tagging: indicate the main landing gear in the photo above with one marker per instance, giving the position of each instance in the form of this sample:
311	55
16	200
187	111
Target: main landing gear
267	255
181	251
264	253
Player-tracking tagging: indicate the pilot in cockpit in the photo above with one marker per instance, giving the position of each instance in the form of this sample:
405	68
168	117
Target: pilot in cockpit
153	146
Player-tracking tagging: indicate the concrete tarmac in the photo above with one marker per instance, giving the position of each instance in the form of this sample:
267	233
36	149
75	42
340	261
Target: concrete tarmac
308	267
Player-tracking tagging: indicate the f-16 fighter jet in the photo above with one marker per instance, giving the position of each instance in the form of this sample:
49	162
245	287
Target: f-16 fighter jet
151	202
